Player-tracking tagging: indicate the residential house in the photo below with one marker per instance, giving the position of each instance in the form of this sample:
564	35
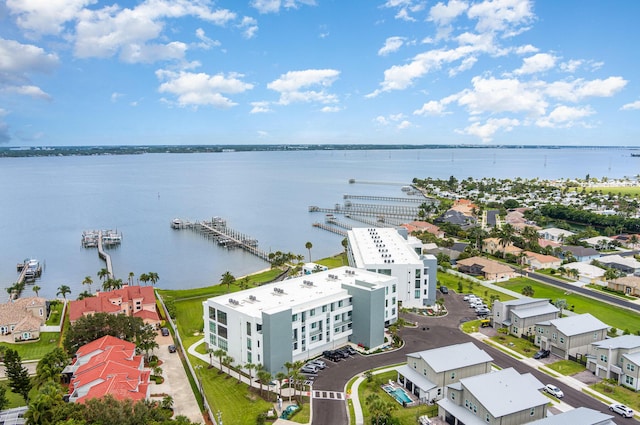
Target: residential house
628	265
456	217
136	301
108	365
521	315
540	261
629	285
627	240
587	273
554	234
599	242
579	253
580	415
424	226
464	206
453	252
486	268
502	397
427	373
23	317
617	358
494	247
571	335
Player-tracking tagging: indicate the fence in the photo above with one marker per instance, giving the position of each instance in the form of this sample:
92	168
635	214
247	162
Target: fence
180	347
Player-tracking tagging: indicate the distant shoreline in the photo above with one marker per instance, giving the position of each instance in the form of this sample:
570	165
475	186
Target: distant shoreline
48	151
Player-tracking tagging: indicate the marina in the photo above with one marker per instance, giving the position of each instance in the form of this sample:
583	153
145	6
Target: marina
101	239
30	269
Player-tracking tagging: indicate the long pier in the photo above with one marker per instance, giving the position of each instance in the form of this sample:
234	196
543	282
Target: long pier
102	254
373	210
331	229
418	201
227	237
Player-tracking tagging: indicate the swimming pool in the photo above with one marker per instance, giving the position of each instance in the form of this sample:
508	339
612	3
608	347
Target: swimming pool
399	394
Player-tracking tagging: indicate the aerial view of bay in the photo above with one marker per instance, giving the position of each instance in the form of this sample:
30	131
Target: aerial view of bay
47	202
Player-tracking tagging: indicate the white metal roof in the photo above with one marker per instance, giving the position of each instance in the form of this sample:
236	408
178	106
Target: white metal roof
453	357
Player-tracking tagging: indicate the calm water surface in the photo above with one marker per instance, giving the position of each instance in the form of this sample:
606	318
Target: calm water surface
46	203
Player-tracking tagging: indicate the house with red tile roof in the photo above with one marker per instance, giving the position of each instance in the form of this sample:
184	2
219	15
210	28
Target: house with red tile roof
136	301
423	226
108	365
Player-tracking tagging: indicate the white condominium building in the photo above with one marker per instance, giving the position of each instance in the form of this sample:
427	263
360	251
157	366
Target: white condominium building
395	253
299	318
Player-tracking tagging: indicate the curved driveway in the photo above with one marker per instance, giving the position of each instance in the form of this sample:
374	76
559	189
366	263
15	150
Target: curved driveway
430	333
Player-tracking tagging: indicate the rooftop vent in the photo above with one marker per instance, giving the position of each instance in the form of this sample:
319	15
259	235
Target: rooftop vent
252	298
234	302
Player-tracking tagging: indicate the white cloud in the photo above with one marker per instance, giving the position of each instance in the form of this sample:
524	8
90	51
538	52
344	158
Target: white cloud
397	120
115	96
405	8
391	44
509	17
42	17
330	109
578	89
487	130
571	65
564	116
442	14
17	62
29	90
526	49
201	89
403	125
631	106
249	27
537	63
111	30
273	6
205	42
432	107
291	85
260	107
381	120
491	95
465	65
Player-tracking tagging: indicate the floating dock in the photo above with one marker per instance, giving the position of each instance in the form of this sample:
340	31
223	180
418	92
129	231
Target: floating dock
29	269
101	239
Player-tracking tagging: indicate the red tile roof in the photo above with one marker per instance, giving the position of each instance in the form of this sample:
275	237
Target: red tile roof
113	301
105	343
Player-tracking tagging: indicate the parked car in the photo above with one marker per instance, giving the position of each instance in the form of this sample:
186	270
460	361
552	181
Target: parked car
172	348
621	409
164	332
309	368
553	390
470	297
319	363
481	307
332	355
342	352
350	350
541	354
483	311
444	289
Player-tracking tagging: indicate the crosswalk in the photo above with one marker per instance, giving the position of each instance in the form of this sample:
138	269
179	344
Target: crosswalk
329	395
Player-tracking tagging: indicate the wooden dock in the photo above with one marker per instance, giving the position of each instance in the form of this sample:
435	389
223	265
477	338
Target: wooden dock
332	229
415	200
384	211
103	255
227	237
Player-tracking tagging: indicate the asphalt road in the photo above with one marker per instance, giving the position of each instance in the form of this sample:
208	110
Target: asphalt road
430	333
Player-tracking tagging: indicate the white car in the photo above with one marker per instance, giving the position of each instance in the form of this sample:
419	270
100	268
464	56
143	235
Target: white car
319	363
554	391
309	368
621	409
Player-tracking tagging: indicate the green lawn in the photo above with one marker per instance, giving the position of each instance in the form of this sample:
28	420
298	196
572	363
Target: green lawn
55	313
566	367
617	317
519	345
624	190
404	415
468	287
15	400
36	349
619	393
335	261
238	405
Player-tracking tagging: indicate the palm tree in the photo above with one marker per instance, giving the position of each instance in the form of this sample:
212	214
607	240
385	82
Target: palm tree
153	277
264	377
36	289
634	241
63	290
561	304
528	291
226	361
280	376
250	367
131	276
88	281
220	353
309	245
167	402
505	238
227	279
144	278
103	273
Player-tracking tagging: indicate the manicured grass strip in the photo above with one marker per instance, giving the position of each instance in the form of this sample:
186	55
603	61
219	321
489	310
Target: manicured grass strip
335	261
617	317
238	405
523	346
55	313
619	393
35	350
501	348
302	415
566	367
469	287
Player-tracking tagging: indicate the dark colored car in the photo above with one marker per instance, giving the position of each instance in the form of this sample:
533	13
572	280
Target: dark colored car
350	350
332	355
444	289
172	348
164	332
541	354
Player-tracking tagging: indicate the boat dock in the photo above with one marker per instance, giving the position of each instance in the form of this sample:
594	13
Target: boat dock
415	200
392	211
29	269
101	239
225	236
103	255
332	229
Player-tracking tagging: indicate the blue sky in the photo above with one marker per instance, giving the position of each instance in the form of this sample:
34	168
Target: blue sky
93	72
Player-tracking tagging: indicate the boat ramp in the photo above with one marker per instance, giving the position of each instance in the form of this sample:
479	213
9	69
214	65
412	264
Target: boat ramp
217	230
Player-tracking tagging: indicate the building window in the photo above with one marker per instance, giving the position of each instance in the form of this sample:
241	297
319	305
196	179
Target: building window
416	294
259	327
424	372
294	318
561	340
631	367
596	336
603	358
414	365
222	317
222	331
488	418
248	343
249	357
340	303
212	339
222	343
324	308
628	379
386	290
248	328
393	311
532	411
393	288
212	313
312	312
515	330
417	284
453	375
212	327
515	320
554	336
453	395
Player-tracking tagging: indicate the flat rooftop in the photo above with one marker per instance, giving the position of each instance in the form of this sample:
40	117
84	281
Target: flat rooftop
379	245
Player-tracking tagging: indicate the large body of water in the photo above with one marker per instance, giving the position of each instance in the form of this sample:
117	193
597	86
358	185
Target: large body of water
46	203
